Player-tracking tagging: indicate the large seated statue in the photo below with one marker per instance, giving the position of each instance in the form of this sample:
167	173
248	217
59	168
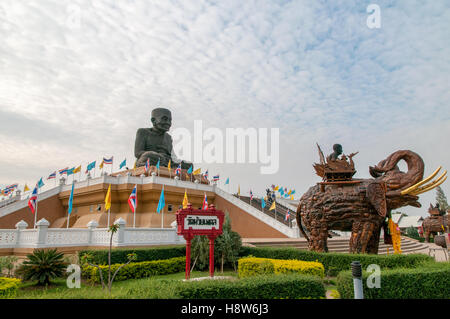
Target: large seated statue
155	143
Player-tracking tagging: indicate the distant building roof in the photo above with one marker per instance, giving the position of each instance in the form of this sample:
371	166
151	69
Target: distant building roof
408	221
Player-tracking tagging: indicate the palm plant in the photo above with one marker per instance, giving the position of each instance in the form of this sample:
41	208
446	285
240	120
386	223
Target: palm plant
43	265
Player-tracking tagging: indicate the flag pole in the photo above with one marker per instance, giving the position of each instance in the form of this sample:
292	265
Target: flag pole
109	210
35	213
68	217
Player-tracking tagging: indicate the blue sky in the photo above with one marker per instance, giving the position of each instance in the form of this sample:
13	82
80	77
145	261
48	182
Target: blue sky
77	78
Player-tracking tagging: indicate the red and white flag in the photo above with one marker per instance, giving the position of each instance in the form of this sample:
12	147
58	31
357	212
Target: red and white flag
32	201
132	200
205	203
286	218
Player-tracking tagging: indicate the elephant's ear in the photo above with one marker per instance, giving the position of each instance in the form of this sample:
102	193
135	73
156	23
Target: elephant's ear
376	193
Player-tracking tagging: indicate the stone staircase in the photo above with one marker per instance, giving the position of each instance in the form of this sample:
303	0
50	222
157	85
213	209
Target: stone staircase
336	244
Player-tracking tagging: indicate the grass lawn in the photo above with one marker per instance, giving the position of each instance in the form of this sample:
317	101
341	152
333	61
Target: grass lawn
158	287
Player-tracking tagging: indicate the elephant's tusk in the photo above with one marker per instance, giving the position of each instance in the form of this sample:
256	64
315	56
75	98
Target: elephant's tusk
415	186
421	189
430	187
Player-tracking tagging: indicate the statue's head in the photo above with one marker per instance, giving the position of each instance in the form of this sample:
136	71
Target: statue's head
161	119
337	148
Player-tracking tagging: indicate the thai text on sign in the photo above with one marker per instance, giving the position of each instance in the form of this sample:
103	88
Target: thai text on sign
201	222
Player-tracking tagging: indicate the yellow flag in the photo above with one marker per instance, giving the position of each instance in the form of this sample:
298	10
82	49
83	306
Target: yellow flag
276	188
108	198
134	167
168	166
239	190
77	170
101	165
26	188
292	197
185	200
273	206
197	171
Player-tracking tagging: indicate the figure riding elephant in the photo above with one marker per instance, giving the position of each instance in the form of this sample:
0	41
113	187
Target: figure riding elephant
362	205
435	223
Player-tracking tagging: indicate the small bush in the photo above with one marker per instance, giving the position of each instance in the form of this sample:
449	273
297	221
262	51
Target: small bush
8	287
136	270
431	280
252	266
292	286
337	262
120	256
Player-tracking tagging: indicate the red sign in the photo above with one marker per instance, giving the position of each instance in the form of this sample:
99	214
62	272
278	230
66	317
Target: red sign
195	222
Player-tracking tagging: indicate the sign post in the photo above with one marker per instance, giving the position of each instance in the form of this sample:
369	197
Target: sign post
196	222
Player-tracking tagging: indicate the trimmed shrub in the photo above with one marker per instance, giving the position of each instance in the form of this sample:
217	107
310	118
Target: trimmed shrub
252	266
120	256
137	270
8	287
429	281
292	286
337	262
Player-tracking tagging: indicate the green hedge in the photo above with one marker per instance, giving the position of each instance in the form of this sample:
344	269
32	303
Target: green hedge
136	270
8	287
429	281
292	286
252	266
337	262
119	256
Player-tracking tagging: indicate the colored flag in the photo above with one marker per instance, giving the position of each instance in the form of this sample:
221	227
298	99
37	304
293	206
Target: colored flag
292	197
286	218
293	192
101	165
197	171
124	162
251	195
90	166
147	165
157	164
206	174
63	171
239	190
190	170
205	203
161	202
134	166
227	181
70	171
263	202
33	200
185	200
132	200
215	178
276	188
40	183
26	188
71	200
108	198
178	170
168	166
52	175
273	206
77	170
108	160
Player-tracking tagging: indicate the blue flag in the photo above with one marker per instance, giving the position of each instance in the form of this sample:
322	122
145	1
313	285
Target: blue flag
161	202
190	170
40	183
90	166
157	165
70	171
123	163
227	181
71	199
263	203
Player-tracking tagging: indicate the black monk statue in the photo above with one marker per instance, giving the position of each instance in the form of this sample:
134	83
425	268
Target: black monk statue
155	143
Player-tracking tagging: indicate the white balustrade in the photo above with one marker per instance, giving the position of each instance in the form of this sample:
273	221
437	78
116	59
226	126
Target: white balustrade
43	237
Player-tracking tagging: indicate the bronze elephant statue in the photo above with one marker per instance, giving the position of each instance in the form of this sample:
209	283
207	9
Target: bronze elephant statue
363	205
435	223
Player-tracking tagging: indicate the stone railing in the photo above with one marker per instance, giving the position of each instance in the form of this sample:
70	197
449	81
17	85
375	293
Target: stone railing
43	237
288	231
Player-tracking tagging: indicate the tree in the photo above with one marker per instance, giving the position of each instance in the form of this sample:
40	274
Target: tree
87	258
441	199
200	252
43	265
227	245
